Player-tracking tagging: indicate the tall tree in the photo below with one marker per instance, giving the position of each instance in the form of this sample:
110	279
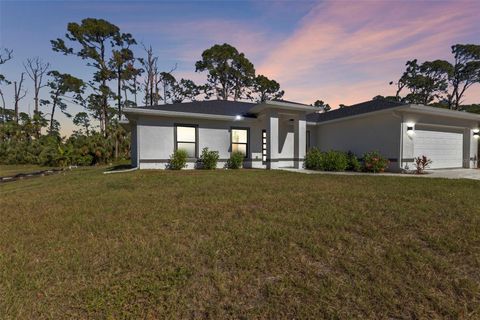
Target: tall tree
130	83
82	119
466	72
230	73
150	83
267	89
122	63
185	89
97	40
36	68
426	82
19	94
64	88
5	56
322	106
167	81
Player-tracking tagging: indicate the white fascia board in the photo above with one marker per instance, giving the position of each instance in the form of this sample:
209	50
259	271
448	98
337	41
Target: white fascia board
178	114
418	108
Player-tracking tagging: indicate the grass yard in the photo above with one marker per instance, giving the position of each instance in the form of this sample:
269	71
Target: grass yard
238	244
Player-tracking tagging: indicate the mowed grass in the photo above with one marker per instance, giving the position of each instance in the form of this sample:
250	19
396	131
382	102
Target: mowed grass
238	244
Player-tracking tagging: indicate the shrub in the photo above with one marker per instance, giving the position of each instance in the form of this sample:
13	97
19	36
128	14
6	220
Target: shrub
374	162
353	164
178	160
236	160
314	159
334	161
209	159
421	163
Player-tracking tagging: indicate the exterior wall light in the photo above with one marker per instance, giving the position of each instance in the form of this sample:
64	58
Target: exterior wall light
238	117
476	133
410	128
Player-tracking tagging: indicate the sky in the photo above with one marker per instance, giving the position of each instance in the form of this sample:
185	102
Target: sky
342	52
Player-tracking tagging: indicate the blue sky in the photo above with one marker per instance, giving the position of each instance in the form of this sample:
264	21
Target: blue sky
341	52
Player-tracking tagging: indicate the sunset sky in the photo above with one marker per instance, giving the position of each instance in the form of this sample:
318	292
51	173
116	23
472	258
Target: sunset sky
339	51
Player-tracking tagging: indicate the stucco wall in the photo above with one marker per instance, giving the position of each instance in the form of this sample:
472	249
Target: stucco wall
156	140
380	132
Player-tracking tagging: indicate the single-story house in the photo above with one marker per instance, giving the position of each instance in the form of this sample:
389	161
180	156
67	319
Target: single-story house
275	134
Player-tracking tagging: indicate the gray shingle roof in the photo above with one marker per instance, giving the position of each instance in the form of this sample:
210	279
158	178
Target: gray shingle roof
359	108
217	107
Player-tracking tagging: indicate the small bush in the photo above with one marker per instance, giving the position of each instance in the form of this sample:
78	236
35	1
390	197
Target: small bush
422	163
236	160
178	160
328	161
374	162
353	164
313	159
209	159
334	161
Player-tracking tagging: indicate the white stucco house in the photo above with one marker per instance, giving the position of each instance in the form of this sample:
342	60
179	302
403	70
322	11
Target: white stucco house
276	134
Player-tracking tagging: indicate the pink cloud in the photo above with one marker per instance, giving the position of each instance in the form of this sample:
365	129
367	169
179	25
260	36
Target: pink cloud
345	52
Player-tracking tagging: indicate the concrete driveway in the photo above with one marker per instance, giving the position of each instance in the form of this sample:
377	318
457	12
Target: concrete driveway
455	174
473	174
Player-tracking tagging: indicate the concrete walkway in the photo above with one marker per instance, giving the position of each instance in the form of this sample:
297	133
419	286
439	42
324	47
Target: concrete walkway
473	174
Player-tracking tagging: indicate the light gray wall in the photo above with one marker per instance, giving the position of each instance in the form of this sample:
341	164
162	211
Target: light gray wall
375	132
156	139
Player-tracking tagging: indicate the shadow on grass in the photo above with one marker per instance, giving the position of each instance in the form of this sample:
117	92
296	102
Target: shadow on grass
119	167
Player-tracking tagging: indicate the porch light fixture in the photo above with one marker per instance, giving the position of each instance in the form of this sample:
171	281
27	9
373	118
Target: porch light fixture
476	133
238	117
410	127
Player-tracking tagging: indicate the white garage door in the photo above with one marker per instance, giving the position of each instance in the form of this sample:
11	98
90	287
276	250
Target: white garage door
444	148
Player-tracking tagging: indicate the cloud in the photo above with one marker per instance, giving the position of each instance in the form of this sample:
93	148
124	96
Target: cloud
349	51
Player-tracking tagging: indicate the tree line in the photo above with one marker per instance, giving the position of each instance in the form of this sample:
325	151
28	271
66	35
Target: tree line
118	79
441	83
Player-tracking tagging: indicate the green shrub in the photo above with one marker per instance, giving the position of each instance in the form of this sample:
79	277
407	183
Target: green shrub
327	161
236	160
374	162
353	164
314	159
209	159
334	161
178	160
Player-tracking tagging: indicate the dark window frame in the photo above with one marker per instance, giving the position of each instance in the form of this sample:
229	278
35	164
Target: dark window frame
175	141
247	156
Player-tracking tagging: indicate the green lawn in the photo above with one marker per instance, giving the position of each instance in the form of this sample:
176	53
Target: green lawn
238	244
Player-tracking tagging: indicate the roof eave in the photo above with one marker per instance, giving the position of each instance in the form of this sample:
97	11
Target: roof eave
419	108
164	113
282	105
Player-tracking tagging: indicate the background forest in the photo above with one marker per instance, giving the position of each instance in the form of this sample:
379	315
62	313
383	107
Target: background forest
119	78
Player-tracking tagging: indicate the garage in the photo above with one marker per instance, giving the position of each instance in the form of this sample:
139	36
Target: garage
445	149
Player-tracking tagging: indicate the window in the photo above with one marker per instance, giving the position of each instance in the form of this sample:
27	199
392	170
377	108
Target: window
307	141
264	146
240	141
186	139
